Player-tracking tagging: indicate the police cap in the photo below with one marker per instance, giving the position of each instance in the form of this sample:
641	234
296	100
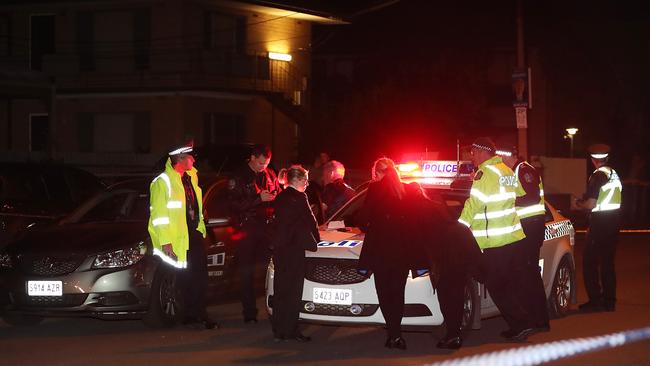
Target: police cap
485	144
598	151
186	148
507	150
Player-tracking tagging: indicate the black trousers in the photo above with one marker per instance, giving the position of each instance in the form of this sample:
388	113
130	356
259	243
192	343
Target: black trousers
501	266
458	262
598	260
531	285
289	264
195	278
253	246
390	284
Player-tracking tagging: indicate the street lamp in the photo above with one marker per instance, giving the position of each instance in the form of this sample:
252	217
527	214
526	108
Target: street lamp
570	132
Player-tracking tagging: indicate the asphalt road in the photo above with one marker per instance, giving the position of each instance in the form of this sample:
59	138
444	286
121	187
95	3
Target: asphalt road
96	342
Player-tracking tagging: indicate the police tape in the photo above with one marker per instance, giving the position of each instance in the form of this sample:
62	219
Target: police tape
547	352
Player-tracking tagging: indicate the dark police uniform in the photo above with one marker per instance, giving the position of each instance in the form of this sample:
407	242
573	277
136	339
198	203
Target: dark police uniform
598	261
335	195
532	212
293	222
252	216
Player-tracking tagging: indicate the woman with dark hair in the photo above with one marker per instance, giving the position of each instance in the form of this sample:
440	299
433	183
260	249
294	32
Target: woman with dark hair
295	230
386	219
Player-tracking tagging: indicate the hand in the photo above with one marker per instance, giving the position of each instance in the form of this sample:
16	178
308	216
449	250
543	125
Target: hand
266	196
169	251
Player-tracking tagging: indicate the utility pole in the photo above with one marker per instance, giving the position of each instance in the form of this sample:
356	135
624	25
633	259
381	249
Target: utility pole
521	112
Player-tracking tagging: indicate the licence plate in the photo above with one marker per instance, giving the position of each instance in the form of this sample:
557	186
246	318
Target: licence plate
45	288
335	296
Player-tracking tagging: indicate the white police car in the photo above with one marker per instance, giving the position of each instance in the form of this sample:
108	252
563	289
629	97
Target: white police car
334	292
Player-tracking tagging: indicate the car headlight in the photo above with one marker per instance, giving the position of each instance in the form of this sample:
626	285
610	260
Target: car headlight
121	257
5	261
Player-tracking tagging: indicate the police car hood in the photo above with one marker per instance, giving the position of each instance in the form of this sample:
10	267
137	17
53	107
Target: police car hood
339	244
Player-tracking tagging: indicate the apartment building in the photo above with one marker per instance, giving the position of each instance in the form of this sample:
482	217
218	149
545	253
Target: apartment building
113	84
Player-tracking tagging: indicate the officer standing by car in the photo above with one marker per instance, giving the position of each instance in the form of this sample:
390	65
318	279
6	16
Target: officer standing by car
251	190
490	214
177	230
603	199
531	211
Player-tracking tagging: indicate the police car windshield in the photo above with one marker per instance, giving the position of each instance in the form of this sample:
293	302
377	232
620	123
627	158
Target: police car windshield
453	200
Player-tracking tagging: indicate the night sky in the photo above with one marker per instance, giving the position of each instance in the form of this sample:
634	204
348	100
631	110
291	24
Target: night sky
417	78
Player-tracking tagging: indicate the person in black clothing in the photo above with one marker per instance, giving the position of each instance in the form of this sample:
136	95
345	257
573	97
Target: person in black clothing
390	248
251	191
295	230
530	209
336	192
603	199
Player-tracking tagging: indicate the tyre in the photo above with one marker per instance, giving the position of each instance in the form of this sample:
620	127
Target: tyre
559	299
165	300
471	304
22	320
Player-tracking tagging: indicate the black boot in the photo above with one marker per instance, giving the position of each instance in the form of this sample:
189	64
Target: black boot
450	342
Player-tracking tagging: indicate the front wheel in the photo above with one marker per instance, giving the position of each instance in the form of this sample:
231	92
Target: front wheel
559	298
165	300
471	304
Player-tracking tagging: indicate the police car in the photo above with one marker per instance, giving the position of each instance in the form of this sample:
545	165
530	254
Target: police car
333	291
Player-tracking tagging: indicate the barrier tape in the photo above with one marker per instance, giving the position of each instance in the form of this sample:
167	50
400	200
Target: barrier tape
538	354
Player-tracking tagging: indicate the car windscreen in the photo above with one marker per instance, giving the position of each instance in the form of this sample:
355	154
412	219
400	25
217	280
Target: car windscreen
454	202
115	206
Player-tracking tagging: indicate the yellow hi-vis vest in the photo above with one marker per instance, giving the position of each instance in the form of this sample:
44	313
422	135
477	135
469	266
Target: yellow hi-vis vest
532	210
168	220
609	196
490	209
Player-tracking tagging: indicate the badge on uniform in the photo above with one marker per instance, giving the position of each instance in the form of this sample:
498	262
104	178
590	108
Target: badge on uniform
231	184
478	175
528	177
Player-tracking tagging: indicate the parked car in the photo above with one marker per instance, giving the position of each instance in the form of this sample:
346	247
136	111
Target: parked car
98	260
32	193
334	292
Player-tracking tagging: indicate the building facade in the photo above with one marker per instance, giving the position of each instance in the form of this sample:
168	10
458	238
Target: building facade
113	84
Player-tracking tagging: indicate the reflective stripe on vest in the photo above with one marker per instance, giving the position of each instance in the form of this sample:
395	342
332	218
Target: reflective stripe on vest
609	196
169	260
535	209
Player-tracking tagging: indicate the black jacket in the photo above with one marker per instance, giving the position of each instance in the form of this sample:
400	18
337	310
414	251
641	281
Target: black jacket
244	194
294	222
335	195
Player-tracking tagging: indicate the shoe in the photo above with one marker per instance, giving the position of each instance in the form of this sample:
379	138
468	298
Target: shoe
250	321
301	338
397	342
590	306
517	335
450	343
541	328
279	338
210	324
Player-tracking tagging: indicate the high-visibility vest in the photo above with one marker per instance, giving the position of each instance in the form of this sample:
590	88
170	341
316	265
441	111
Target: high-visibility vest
168	218
490	211
609	196
531	210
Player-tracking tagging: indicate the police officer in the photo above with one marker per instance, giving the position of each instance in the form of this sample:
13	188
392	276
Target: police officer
490	214
251	191
531	212
336	192
603	199
177	230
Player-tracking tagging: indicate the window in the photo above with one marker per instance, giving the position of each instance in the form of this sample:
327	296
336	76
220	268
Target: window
39	132
224	129
5	35
114	132
141	38
85	41
42	35
225	32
